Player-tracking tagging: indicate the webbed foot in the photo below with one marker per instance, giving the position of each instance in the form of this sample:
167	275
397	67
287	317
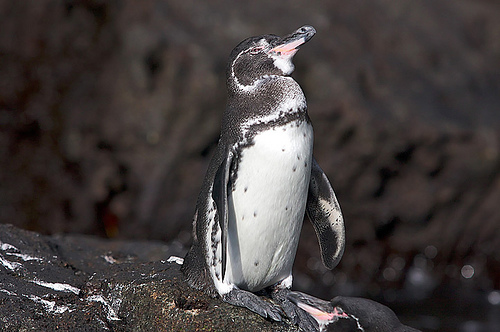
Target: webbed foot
298	316
254	303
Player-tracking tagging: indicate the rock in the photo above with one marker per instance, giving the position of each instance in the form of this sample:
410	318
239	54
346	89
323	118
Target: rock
79	283
99	101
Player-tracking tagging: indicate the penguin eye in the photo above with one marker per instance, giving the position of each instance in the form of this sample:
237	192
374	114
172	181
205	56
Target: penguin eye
256	50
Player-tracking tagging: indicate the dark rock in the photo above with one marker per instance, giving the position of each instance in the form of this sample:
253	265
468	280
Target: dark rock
78	283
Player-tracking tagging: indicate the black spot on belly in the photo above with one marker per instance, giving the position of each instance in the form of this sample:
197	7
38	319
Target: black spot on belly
298	157
305	164
294	168
286	208
245	189
256	263
305	135
255	213
283	150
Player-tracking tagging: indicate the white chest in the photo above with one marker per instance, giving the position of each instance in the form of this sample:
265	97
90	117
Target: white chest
266	207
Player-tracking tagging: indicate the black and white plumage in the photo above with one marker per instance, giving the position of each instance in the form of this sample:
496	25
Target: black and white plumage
349	314
260	182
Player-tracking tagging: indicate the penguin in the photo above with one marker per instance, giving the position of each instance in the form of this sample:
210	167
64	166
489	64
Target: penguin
259	184
349	314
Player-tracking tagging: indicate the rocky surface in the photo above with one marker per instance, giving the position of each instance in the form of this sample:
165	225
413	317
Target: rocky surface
75	283
109	112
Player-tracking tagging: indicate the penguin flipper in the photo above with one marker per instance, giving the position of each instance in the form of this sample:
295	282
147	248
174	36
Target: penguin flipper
219	195
324	212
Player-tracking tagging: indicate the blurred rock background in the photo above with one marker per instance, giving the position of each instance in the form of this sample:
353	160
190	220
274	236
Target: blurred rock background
110	112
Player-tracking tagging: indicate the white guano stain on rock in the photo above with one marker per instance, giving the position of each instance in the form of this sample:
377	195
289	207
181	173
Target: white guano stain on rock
9	265
6	246
112	315
109	259
50	306
6	263
175	259
57	286
8	292
25	257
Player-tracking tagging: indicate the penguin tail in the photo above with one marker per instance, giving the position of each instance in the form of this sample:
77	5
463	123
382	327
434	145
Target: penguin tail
196	273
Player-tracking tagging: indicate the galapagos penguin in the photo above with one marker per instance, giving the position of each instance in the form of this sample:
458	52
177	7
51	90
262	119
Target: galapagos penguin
259	184
349	314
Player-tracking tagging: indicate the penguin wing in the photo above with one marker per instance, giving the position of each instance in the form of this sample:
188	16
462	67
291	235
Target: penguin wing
324	212
219	195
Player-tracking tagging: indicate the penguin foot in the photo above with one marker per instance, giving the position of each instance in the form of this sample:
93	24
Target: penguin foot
253	303
298	316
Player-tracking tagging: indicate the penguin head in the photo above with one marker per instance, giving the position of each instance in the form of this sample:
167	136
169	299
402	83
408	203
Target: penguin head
349	313
263	57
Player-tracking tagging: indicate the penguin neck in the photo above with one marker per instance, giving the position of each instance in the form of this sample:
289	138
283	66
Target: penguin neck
277	100
259	85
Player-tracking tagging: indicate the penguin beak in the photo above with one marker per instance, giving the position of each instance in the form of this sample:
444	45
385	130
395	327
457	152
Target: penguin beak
289	45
